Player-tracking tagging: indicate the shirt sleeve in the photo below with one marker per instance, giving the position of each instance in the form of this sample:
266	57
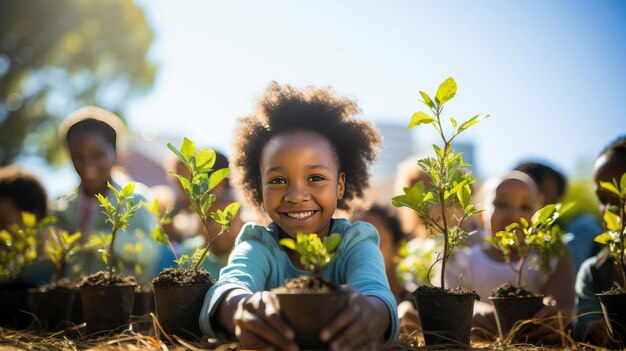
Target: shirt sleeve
365	270
248	269
587	306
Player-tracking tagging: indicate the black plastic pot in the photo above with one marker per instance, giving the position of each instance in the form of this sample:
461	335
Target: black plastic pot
178	308
53	308
511	310
309	313
614	310
14	305
107	307
446	318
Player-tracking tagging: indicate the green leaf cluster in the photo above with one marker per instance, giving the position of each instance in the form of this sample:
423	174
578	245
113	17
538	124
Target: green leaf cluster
450	181
542	236
198	186
614	222
60	249
18	244
118	216
315	254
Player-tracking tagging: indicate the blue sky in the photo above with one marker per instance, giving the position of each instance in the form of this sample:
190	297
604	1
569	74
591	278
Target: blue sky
550	73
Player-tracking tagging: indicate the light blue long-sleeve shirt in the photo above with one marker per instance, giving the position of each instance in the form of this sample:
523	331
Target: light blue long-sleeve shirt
259	263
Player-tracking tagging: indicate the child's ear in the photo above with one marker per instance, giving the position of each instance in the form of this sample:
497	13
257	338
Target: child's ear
341	185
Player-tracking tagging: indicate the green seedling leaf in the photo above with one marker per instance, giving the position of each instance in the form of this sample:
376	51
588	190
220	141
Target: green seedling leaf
543	214
446	91
217	177
455	189
610	187
180	156
453	121
115	191
128	190
603	238
332	241
420	118
288	243
427	100
205	159
188	148
612	221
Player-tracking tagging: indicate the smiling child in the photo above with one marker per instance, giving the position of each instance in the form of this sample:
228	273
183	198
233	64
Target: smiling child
300	156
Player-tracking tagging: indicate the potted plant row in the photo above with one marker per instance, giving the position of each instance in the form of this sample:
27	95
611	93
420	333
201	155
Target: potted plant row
445	314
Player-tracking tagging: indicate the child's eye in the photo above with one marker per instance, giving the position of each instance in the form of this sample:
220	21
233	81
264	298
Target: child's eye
316	178
277	181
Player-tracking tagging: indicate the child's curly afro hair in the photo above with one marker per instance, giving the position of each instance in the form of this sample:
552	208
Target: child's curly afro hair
283	109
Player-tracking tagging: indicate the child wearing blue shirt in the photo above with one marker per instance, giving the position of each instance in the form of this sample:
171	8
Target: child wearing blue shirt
301	156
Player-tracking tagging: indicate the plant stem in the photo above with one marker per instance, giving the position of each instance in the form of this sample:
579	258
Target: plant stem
112	254
520	267
209	245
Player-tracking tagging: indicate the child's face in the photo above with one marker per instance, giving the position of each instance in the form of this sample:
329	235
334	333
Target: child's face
300	182
606	168
514	199
93	158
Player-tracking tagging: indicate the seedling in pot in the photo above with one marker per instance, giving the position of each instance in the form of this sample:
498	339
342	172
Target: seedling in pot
119	216
541	236
198	186
449	189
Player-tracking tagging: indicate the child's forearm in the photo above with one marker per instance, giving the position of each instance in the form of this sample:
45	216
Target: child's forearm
226	310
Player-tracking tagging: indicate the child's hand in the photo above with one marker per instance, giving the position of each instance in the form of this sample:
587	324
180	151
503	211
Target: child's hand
258	325
359	325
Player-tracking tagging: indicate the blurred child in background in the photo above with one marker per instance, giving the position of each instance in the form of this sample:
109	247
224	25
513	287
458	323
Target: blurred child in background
482	267
598	274
91	136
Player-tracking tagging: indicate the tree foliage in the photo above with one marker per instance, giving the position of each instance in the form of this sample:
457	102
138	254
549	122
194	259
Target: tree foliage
56	56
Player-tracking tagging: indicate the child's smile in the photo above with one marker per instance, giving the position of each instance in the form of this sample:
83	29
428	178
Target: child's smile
300	182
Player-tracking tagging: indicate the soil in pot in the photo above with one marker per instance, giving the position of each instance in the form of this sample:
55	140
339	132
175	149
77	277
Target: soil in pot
179	294
446	315
309	304
107	307
52	304
14	305
514	304
613	304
